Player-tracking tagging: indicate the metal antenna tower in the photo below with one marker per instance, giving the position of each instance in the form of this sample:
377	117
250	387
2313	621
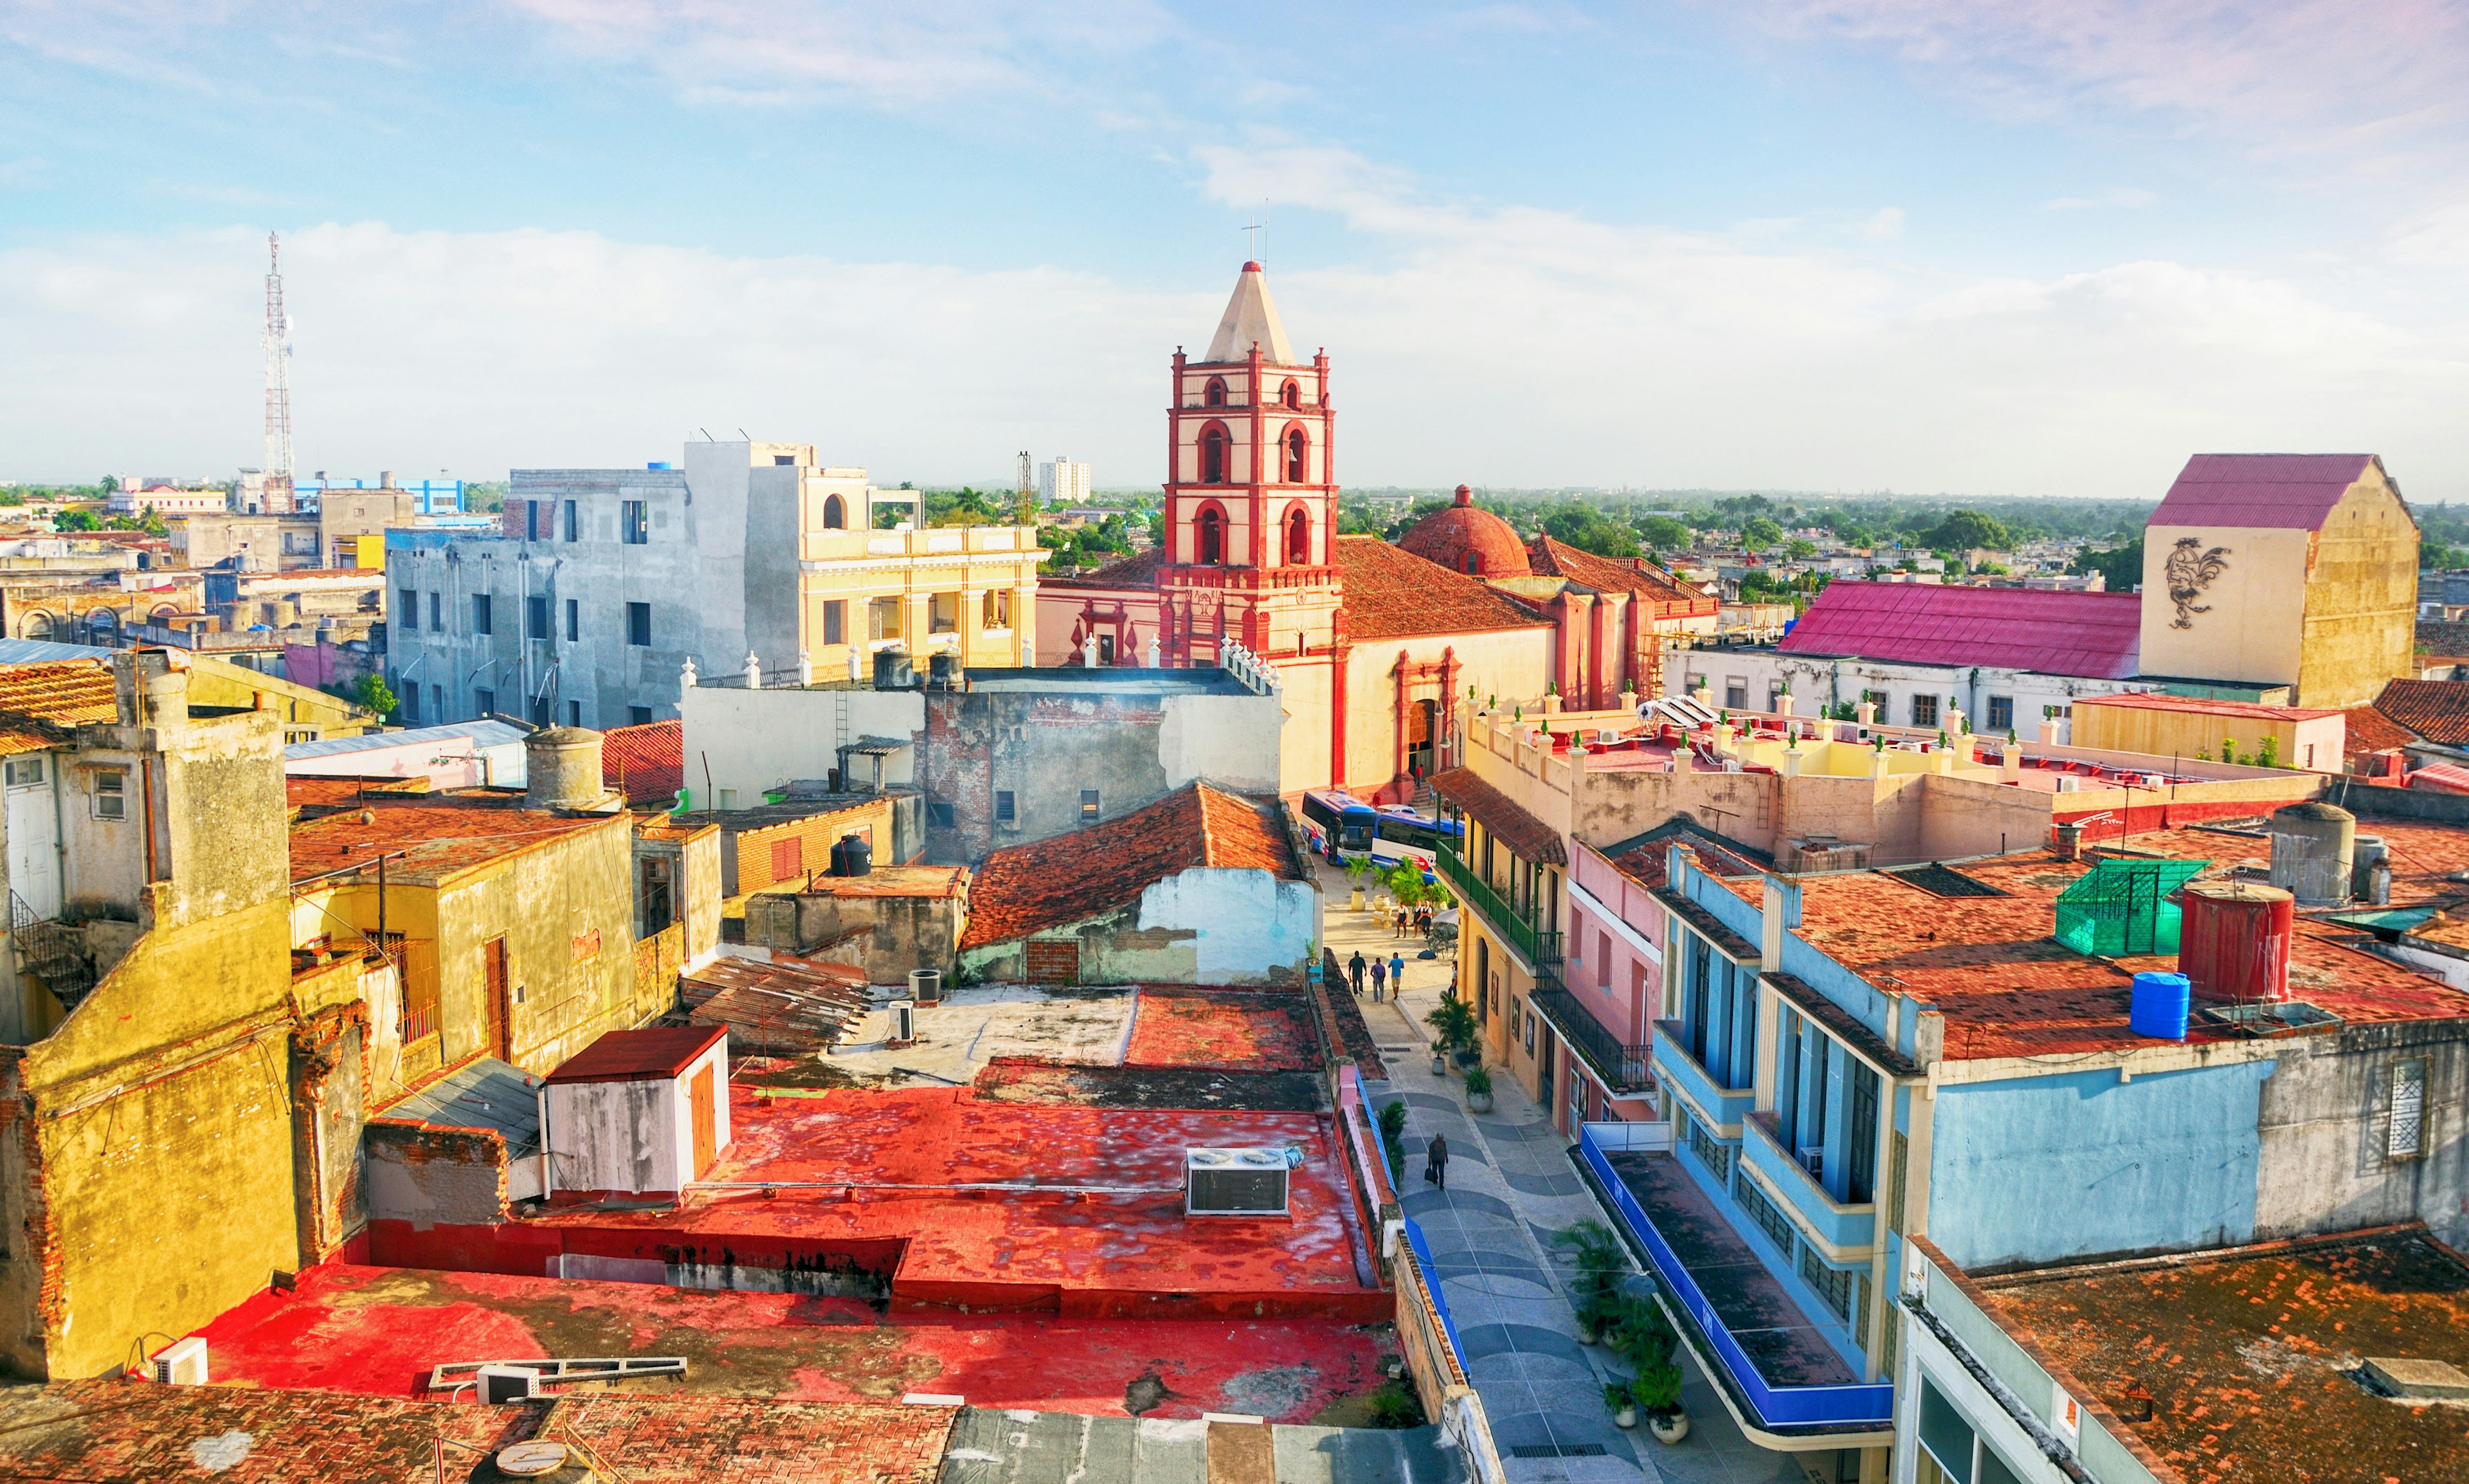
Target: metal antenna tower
277	341
1027	491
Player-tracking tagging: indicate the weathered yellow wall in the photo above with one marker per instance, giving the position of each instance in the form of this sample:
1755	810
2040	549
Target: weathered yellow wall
542	900
2180	734
2256	625
2361	598
221	683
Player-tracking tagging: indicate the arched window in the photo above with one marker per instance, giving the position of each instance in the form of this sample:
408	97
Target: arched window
39	625
1472	564
1293	395
1216	396
1298	467
1213	539
835	513
103	627
1298	538
1212	456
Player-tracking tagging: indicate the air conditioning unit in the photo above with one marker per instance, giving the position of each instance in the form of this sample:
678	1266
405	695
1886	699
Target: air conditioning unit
181	1363
1812	1158
501	1384
1235	1182
903	1022
925	986
2069	783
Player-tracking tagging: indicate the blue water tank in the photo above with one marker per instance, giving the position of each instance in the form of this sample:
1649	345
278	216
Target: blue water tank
2158	1007
656	466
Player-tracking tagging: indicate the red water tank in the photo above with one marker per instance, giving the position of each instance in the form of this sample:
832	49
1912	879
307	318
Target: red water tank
2233	943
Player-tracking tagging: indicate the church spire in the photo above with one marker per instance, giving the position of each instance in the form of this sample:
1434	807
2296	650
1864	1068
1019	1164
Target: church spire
1250	318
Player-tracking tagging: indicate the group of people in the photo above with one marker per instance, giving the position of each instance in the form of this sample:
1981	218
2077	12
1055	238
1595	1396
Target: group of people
1409	921
1385	972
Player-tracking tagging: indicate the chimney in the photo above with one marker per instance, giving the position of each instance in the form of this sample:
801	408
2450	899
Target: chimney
561	769
2070	842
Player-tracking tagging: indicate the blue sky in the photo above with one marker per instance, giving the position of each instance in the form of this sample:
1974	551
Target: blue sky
2025	247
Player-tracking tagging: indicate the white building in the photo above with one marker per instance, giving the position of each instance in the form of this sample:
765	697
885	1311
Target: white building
1063	480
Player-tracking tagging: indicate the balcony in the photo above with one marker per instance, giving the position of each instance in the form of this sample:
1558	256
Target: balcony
1621	1068
1738	1318
1541	946
1847	1228
1726	1106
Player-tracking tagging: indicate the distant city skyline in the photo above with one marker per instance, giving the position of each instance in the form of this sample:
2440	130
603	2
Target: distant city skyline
1830	245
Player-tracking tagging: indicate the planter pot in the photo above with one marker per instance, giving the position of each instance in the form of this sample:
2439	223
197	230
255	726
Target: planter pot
1587	1335
1480	1102
1440	1065
1355	903
1669	1428
1626	1417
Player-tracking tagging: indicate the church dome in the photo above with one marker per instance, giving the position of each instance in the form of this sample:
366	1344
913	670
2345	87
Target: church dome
1465	539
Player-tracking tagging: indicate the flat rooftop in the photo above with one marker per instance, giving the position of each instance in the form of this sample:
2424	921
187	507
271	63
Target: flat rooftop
381	1330
2252	1359
438	835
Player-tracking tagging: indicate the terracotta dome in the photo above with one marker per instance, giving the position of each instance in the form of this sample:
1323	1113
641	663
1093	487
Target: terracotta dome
1465	539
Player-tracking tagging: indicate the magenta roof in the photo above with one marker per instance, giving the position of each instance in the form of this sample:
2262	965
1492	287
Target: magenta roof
2089	633
2280	491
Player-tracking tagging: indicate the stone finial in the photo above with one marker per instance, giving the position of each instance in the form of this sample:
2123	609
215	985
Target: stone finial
805	669
753	671
686	674
1156	655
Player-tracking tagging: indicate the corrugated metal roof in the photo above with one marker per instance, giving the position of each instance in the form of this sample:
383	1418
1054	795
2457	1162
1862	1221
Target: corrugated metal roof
2275	490
483	734
2086	634
24	651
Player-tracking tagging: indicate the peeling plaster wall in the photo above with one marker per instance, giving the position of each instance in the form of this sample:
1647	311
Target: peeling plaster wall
2326	1122
1209	926
434	1177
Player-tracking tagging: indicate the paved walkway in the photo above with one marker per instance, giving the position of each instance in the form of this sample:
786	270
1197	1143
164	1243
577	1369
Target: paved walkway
1510	1186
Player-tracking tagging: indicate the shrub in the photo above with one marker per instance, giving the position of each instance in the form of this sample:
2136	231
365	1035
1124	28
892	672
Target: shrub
1658	1388
1600	1260
1477	1081
1392	1138
1396	1406
1454	1019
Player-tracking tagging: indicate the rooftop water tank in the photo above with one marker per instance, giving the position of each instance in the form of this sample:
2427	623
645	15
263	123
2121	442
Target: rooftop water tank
2363	853
852	856
893	670
2233	940
2158	1007
561	769
2313	852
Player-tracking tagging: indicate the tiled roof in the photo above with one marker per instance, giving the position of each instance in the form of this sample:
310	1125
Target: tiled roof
1064	878
1392	594
437	836
1549	558
66	693
647	763
1140	569
2155	701
2437	710
1529	837
2008	988
2088	634
2270	491
2443	641
2372	731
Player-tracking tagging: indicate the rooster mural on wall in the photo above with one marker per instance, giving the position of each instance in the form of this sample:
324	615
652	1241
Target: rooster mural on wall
2189	570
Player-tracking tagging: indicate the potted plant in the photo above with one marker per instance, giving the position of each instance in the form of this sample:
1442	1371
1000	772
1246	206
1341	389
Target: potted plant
1356	869
1600	1262
1619	1397
1453	1019
1658	1394
1478	1086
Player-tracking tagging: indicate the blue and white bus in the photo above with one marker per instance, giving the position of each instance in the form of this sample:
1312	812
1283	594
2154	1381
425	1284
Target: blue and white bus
1400	834
1341	825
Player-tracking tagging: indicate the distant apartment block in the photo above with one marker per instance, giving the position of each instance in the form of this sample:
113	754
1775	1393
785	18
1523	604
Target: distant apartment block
1063	480
586	605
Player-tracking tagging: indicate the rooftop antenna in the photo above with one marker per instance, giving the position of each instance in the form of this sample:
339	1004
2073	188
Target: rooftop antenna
277	343
1026	492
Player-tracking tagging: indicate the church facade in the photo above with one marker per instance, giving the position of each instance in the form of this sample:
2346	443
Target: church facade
1371	641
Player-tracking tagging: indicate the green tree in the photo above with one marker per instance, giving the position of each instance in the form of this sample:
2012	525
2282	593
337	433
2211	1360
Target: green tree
376	694
1664	533
111	484
75	521
1760	533
1588	529
1800	551
1962	531
2121	569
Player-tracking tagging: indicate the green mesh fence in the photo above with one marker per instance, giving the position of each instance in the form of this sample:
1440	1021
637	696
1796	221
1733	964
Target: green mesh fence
2122	908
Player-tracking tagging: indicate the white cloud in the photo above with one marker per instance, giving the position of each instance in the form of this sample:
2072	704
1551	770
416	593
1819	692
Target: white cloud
2128	197
1884	226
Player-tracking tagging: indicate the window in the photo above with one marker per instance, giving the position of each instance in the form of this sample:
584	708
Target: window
411	703
1860	1183
1003	807
790	459
25	772
481	619
540	711
1297	461
1213	539
638	625
836	621
1604	962
729	798
2407	1138
1923	710
411	607
573	531
1212	456
1735	693
536	616
788	859
1088	806
1298	538
835	513
1215	394
532	520
573	619
1899	1163
484	701
943	614
1764	1216
638	716
1951	1452
1832	1284
883	618
1292	396
1473	564
437	703
436	613
996	612
2001	713
633	522
574	713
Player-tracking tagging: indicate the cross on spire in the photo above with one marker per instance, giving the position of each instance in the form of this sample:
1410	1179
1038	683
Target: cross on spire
1251	231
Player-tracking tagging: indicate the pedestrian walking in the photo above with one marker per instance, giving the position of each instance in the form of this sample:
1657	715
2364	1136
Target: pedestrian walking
1435	1168
1397	971
1354	971
1379	976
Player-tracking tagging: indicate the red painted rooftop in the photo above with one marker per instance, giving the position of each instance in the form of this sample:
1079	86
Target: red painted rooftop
2270	491
380	1331
646	1056
2086	634
645	762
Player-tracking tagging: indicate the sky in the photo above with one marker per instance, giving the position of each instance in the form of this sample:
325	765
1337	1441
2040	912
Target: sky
2040	248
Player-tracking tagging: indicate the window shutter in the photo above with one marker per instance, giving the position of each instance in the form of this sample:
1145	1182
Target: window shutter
2407	1137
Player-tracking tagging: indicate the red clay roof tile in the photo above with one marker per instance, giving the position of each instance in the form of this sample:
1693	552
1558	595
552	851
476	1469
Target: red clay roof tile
1550	558
2437	710
647	763
1392	594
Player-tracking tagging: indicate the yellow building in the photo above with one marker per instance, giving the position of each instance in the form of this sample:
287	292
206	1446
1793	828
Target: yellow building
2282	570
966	590
2158	726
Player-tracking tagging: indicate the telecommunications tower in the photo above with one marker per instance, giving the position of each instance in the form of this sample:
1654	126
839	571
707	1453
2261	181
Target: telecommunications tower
277	341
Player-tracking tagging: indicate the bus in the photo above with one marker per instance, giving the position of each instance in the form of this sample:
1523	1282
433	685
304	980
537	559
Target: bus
1340	824
1400	834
